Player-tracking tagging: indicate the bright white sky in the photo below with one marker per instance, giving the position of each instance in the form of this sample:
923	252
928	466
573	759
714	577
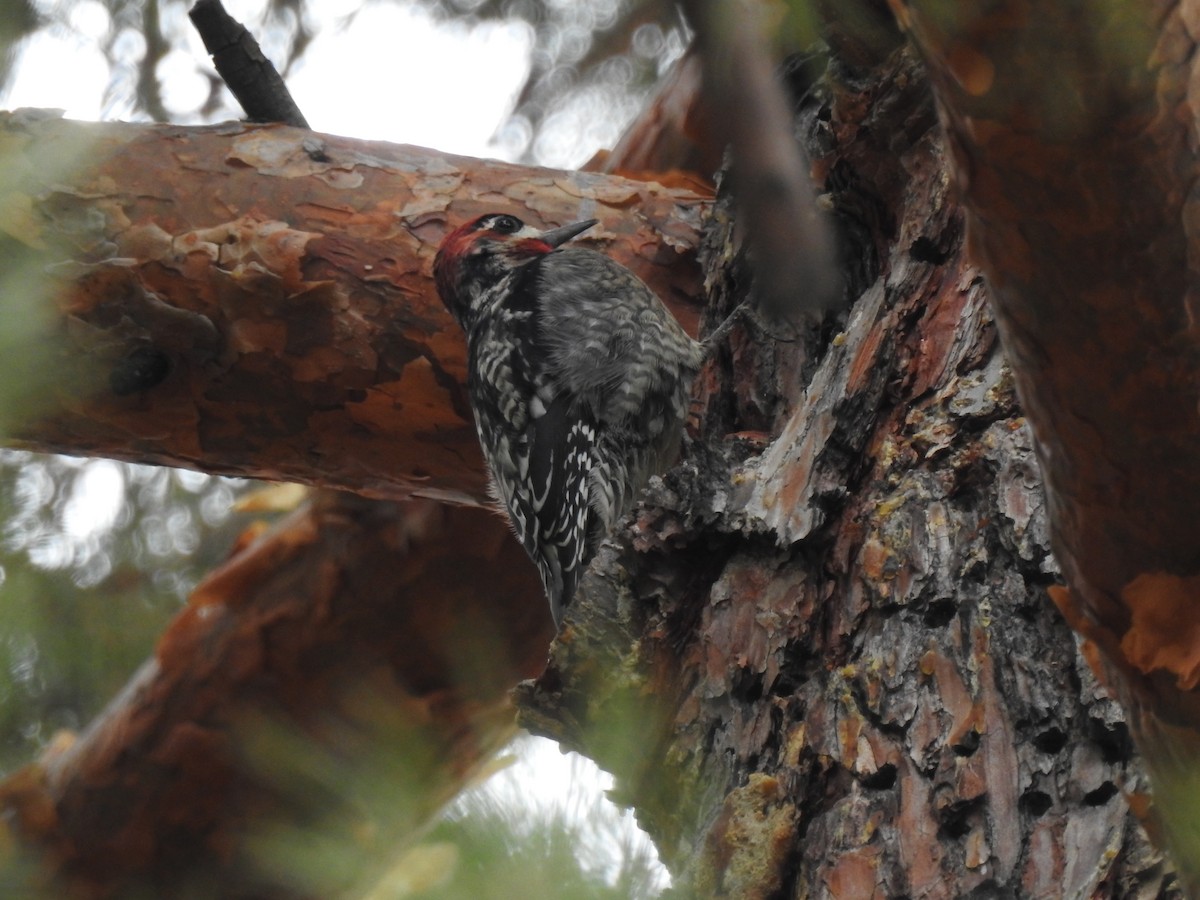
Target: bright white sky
389	73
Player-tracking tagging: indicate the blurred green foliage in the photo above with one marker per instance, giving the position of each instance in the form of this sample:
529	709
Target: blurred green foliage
500	839
498	852
26	311
95	557
577	842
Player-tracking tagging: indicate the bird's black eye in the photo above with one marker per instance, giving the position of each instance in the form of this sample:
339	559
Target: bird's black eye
507	224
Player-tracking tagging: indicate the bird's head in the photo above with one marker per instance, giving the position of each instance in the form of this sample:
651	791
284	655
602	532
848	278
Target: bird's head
480	253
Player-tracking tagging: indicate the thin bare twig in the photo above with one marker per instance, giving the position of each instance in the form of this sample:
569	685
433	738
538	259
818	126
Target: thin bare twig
252	78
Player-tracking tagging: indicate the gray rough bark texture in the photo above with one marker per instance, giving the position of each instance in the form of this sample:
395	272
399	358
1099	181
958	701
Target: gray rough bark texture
838	630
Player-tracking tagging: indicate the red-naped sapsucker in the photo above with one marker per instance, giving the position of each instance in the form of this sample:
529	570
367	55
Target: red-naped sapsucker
578	377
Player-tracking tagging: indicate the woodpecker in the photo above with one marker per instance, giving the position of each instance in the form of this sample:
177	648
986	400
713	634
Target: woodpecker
578	378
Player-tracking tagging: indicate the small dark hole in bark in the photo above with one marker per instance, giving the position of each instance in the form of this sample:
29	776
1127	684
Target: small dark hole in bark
1029	612
1035	803
785	685
1114	740
141	370
315	150
1052	740
968	744
746	686
881	779
940	613
1100	795
926	251
956	818
794	669
990	890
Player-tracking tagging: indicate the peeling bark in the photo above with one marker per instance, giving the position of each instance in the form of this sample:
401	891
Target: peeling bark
337	681
855	682
1081	203
257	300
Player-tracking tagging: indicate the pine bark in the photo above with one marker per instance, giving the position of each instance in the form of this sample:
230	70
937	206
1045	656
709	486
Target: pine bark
257	300
856	684
1080	203
323	694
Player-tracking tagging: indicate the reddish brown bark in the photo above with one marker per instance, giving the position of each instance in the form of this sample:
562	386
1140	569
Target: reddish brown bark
829	669
281	280
1081	207
336	681
290	356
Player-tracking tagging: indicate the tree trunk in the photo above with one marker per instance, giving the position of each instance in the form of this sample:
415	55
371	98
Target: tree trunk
855	682
1081	205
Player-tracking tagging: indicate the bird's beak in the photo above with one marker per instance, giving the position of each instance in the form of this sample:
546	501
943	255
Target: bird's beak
557	236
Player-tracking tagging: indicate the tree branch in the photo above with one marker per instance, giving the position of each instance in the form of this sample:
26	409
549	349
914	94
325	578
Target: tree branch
333	684
257	300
